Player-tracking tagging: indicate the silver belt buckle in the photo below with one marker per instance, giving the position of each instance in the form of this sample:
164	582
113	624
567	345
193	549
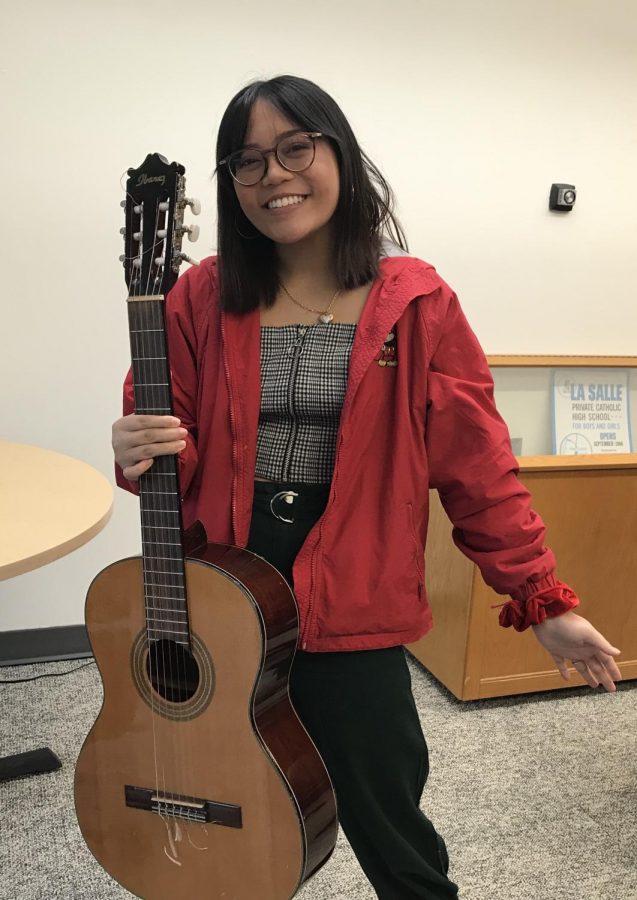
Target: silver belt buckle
288	496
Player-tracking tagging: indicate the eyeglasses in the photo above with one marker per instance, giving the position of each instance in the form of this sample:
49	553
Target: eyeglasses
294	152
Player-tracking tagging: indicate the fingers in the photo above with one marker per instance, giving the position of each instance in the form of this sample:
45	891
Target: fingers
586	674
137	440
596	671
133	473
562	667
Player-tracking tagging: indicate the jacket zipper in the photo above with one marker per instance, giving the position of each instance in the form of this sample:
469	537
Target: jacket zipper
310	603
297	346
417	555
233	428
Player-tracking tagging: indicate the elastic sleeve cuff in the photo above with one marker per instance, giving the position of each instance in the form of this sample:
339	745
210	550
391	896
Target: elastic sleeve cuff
530	606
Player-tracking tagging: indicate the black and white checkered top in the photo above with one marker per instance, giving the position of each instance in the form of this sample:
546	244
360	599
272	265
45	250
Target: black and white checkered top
304	372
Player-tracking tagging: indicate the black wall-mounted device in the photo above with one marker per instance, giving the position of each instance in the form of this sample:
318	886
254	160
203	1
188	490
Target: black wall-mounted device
562	197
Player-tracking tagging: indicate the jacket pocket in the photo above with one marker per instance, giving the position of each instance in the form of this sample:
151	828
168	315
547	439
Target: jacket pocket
419	553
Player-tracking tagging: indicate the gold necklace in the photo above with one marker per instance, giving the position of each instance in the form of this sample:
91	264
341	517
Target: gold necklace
325	316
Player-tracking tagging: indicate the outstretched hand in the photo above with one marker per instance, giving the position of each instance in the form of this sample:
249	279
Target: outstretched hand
570	636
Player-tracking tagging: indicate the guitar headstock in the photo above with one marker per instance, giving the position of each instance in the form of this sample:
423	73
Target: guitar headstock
155	204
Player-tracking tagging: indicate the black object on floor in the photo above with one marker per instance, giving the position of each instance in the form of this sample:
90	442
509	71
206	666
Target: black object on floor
33	762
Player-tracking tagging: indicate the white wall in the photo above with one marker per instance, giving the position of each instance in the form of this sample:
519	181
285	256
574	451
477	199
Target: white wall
471	109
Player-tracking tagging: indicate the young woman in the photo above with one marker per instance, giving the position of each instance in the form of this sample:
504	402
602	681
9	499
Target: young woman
324	380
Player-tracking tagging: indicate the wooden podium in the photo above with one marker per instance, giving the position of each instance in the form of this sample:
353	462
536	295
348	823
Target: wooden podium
589	505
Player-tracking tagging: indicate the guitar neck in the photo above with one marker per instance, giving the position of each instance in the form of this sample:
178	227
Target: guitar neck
160	504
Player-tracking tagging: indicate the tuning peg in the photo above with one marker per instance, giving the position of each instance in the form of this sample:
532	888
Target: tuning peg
163	206
122	231
137	209
195	205
122	203
191	230
188	259
162	233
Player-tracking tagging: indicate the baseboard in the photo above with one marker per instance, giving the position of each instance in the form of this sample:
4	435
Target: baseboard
33	645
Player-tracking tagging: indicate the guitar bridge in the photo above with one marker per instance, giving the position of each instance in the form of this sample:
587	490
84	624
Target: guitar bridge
194	809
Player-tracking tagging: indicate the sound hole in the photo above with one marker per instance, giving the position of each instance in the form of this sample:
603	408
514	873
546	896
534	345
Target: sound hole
172	670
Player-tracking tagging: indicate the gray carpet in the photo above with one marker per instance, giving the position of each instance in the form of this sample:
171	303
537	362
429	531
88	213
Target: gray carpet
535	795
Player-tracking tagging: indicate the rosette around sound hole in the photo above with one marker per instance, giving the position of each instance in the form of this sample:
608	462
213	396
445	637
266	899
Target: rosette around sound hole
175	682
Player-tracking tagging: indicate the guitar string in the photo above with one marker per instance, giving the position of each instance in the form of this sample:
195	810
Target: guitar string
172	464
166	588
141	357
178	687
188	766
153	377
145	355
161	565
147	581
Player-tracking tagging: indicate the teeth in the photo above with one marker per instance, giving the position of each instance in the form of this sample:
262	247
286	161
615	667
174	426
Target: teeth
285	201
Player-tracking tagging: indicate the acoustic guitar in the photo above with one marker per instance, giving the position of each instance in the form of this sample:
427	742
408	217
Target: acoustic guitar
197	778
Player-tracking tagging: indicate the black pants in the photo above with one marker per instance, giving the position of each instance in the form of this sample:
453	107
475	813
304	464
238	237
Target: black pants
359	710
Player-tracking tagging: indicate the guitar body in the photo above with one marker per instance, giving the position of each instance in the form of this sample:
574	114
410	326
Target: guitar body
225	745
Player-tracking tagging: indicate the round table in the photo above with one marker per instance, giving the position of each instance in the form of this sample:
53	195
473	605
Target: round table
51	504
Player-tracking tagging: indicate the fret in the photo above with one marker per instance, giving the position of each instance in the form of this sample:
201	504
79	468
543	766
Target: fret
173	587
160	597
162	527
167	512
144	330
177	605
152	567
155	591
156	618
153	409
146	384
146	358
151	579
144	491
171	630
186	643
152	557
160	544
167	558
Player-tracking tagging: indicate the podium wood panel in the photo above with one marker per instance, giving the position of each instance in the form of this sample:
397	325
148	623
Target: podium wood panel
591	519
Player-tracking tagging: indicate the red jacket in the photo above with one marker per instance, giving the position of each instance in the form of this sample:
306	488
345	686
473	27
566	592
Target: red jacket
428	422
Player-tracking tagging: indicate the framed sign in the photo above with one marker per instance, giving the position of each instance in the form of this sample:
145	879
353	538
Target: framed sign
591	412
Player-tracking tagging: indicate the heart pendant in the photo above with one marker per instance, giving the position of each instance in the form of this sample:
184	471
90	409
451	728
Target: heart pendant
326	318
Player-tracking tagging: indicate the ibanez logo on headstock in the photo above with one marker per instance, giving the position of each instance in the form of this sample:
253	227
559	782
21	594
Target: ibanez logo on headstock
149	179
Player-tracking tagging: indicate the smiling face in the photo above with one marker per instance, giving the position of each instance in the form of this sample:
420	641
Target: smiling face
294	219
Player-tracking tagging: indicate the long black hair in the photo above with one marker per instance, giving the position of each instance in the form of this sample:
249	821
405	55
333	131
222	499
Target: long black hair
248	269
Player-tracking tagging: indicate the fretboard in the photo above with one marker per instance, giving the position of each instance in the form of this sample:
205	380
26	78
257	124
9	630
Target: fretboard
160	505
